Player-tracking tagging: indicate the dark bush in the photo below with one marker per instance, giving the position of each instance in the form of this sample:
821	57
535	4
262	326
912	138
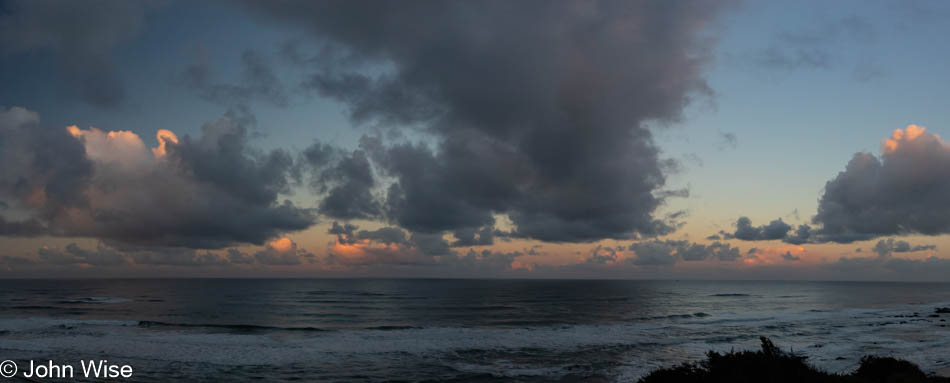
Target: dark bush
771	364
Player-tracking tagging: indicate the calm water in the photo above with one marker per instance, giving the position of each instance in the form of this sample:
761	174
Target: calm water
487	330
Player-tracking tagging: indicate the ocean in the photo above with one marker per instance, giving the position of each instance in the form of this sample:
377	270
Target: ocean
459	330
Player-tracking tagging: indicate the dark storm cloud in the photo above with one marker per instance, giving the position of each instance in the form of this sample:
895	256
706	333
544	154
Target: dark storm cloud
258	82
537	108
205	192
43	169
428	196
431	244
345	233
474	237
789	257
656	252
345	180
80	36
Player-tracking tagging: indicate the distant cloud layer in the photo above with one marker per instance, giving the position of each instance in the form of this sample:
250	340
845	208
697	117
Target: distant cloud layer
887	247
668	252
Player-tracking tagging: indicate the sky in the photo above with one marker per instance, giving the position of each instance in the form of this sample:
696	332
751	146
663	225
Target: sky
530	139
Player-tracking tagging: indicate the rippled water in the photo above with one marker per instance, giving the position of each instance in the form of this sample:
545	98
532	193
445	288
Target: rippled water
520	330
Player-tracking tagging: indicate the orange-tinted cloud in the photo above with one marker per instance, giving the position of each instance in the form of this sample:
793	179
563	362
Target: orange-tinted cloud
164	136
911	133
121	146
282	245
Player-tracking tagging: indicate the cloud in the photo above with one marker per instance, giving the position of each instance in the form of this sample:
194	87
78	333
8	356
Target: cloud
105	255
80	36
777	229
43	169
386	245
801	235
889	246
483	262
345	180
431	244
279	252
604	255
656	252
728	140
73	254
284	252
237	257
901	192
816	46
26	228
345	233
789	257
546	125
795	58
653	253
474	236
385	235
210	191
170	256
258	82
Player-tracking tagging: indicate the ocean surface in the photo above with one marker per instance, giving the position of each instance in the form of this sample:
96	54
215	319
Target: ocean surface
459	330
